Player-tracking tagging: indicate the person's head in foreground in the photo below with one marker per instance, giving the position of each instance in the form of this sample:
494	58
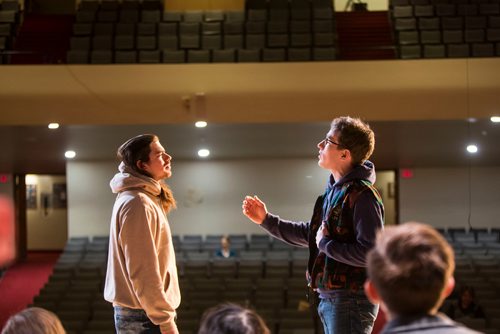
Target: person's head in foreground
229	318
410	270
34	320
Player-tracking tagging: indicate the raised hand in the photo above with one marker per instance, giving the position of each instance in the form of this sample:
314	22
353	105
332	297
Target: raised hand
254	209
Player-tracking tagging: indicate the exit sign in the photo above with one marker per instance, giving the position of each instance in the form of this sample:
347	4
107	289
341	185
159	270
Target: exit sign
406	173
4	178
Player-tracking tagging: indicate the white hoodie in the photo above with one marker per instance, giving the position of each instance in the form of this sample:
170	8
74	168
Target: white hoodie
142	272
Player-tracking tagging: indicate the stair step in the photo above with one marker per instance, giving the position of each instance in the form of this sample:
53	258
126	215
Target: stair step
365	35
43	39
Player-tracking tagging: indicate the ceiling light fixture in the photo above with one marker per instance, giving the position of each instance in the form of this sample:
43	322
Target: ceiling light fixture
200	124
472	148
495	119
53	125
203	153
70	154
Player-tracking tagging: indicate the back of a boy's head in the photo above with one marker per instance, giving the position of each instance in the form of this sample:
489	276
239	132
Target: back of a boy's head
410	266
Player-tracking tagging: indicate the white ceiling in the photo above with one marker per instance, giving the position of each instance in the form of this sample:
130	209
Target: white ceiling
399	144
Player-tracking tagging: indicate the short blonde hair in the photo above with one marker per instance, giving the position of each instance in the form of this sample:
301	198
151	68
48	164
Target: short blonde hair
34	320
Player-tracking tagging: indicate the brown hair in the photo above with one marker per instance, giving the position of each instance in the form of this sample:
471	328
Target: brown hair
136	149
34	320
410	266
229	318
356	136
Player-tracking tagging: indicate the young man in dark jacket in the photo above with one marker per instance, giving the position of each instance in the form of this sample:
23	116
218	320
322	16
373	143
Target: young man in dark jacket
342	229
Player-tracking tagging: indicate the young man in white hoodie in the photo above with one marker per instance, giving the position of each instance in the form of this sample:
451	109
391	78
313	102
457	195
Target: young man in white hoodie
141	278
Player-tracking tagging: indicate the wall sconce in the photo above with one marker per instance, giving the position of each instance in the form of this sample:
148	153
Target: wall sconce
196	104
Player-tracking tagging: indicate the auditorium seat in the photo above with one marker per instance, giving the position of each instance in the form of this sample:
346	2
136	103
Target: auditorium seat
223	268
233	41
168	42
168	28
276	41
434	51
408	37
430	37
146	43
324	54
253	45
211	42
77	57
174	57
453	36
124	42
151	16
172	16
129	15
402	11
429	23
410	51
198	56
423	10
300	10
80	29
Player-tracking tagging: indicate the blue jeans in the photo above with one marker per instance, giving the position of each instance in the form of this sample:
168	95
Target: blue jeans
347	313
131	321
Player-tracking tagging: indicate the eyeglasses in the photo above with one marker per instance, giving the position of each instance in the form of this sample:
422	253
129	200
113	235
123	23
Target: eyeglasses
329	141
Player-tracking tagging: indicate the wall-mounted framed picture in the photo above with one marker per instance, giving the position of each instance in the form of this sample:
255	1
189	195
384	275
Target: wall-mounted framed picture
31	196
59	196
391	189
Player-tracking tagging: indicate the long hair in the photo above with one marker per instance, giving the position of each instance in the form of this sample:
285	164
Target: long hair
34	320
136	149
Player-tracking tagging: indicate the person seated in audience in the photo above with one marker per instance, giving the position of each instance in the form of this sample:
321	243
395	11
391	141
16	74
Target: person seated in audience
225	250
410	273
230	318
33	320
465	305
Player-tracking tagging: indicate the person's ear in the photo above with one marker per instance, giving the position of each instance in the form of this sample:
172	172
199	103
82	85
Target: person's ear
140	165
371	292
448	289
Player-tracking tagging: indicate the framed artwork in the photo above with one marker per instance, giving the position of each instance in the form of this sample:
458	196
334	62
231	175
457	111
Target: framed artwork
392	190
31	196
45	202
59	196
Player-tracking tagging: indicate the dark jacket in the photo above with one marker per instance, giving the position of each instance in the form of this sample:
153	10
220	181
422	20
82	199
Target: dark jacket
352	222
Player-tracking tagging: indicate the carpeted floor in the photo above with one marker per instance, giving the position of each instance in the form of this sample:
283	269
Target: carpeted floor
23	280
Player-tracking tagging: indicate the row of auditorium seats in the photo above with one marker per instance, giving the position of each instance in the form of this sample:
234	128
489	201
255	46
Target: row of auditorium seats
300	30
270	279
453	234
10	18
446	29
122	36
74	289
477	259
283	303
200	56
